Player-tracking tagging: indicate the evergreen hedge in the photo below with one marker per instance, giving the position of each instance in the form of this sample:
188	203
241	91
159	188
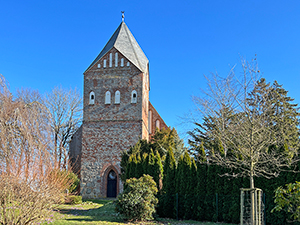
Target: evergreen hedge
196	190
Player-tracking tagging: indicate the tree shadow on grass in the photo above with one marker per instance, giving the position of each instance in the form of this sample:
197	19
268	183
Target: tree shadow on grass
95	213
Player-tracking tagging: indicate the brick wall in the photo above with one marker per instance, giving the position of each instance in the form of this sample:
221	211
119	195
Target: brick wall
155	116
75	147
109	129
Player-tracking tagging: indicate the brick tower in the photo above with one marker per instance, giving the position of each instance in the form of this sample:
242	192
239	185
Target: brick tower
116	114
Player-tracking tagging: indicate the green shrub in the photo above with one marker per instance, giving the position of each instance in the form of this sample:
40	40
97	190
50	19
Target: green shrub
74	182
73	199
288	200
69	180
138	200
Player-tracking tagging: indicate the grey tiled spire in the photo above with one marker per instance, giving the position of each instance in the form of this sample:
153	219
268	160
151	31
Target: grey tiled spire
126	44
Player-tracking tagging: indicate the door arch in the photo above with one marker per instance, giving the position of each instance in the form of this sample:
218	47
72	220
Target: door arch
111	190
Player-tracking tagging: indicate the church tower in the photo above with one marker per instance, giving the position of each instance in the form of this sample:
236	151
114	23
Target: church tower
116	114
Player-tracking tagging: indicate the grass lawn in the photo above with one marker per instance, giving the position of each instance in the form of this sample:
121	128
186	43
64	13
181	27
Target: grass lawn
100	212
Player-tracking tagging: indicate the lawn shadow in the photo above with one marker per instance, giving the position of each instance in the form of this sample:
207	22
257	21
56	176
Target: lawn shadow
96	213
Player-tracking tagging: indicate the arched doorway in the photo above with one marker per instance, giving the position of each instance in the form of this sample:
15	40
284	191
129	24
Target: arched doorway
112	184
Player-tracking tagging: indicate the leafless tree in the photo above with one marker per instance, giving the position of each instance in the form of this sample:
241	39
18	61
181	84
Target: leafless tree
30	183
64	106
240	117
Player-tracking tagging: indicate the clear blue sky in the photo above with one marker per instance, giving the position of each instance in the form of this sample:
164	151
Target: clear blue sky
48	43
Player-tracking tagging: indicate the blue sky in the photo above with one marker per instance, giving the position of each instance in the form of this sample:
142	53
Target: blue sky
48	43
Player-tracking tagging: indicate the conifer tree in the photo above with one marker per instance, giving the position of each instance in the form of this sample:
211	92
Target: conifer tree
145	161
158	173
164	139
167	199
139	166
132	166
209	202
151	163
124	165
183	187
190	200
169	173
201	190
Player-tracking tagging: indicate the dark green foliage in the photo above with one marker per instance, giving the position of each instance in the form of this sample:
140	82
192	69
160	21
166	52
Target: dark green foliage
166	206
288	200
124	165
165	139
201	203
148	157
200	191
138	200
222	137
74	182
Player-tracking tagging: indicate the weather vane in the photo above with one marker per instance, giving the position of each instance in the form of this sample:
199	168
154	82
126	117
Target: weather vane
123	16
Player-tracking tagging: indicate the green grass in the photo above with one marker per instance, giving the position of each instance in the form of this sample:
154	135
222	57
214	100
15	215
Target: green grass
97	212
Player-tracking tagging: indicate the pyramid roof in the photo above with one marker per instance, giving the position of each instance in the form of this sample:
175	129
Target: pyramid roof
125	43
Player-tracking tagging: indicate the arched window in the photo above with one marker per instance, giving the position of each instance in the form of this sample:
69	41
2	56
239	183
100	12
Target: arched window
110	59
157	124
104	63
122	62
107	97
117	97
150	121
111	190
116	59
92	98
134	96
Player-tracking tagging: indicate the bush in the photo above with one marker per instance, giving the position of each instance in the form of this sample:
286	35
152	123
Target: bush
70	179
74	182
73	199
27	202
138	200
288	200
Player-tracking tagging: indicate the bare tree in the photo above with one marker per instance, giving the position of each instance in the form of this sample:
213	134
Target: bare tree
65	110
242	128
30	183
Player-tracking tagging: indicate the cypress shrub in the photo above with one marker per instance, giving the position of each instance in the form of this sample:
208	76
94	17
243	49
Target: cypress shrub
200	192
167	199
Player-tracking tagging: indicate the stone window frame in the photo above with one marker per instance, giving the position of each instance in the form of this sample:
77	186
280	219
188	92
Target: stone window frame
92	98
107	98
134	97
117	97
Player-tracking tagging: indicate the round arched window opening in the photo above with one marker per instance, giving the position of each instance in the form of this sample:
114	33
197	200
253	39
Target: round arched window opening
134	95
112	175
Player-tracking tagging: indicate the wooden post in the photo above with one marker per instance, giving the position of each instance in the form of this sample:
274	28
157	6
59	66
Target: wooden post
255	208
177	206
217	205
259	207
242	204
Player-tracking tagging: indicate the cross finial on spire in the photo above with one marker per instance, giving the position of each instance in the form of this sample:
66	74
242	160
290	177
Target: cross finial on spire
123	16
